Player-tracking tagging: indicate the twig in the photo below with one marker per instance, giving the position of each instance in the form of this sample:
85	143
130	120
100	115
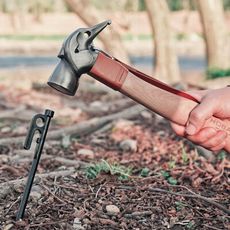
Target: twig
206	199
211	227
84	205
137	214
49	223
99	190
12	205
56	197
189	190
83	128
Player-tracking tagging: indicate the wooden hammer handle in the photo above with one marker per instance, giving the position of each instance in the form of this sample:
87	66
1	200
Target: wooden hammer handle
169	105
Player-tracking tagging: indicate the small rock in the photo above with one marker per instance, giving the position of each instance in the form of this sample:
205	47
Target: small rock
122	124
112	209
77	224
145	114
35	195
129	145
20	130
66	141
6	129
37	188
86	221
99	105
96	104
97	141
161	133
8	227
87	152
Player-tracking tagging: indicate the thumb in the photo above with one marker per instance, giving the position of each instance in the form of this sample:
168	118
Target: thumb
199	115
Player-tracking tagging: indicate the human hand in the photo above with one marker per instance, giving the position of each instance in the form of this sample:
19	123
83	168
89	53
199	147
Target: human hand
212	103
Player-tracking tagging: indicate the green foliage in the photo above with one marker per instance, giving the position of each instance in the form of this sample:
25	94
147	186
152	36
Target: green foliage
121	171
226	4
213	73
184	156
172	164
165	174
181	36
179	205
141	5
172	180
175	5
29	37
190	225
144	172
221	156
168	177
140	37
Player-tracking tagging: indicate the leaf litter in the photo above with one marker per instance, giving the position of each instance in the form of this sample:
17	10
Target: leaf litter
163	183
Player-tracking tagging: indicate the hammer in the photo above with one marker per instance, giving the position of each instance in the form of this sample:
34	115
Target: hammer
78	56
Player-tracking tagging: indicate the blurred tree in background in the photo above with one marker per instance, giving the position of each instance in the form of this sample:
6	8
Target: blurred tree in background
93	11
166	63
91	16
215	33
116	5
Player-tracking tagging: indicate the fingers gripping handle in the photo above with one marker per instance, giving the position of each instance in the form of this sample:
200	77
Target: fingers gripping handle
169	105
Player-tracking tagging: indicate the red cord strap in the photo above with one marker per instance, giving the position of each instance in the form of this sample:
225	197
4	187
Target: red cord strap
156	82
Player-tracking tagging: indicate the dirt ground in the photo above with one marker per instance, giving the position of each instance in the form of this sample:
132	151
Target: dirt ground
130	172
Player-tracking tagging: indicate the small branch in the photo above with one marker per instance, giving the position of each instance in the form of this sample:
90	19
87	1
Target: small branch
53	194
48	223
65	161
206	199
137	214
211	227
13	203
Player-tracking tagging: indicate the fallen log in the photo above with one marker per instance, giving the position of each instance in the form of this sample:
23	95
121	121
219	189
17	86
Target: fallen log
101	108
6	187
65	161
83	128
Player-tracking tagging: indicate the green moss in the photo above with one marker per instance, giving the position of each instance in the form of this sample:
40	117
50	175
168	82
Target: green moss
213	73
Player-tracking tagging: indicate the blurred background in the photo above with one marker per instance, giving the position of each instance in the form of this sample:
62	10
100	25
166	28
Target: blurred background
190	39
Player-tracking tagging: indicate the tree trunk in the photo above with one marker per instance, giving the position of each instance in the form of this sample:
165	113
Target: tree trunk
215	33
166	63
110	38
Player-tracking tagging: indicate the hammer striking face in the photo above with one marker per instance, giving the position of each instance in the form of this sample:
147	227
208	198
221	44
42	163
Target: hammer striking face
77	57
